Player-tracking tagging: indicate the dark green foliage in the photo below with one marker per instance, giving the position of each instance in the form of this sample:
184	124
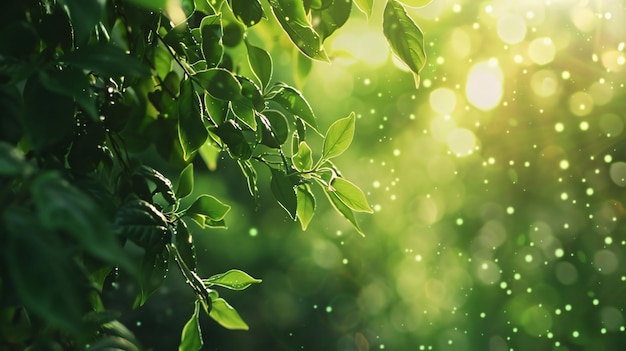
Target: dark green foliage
91	93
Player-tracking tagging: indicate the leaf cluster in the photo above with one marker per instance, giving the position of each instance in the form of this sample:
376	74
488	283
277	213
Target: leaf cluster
88	88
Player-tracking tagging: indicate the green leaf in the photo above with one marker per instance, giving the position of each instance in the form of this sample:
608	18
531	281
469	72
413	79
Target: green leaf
204	6
184	244
302	66
292	101
209	154
365	6
244	110
261	63
150	4
191	338
249	12
61	206
275	129
250	173
306	205
252	92
234	279
226	315
208	207
39	269
108	343
212	32
350	194
153	272
191	131
163	184
293	19
217	109
85	14
283	190
303	159
185	182
236	139
338	137
220	83
12	162
141	222
40	105
331	18
342	209
106	60
404	36
74	84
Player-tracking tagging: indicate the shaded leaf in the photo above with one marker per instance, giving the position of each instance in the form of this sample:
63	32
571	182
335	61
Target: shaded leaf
220	83
338	137
331	18
141	222
249	12
12	162
226	315
275	129
283	190
61	206
191	131
243	109
216	108
306	205
185	182
234	279
106	60
212	32
41	273
191	338
163	184
261	63
293	19
153	272
184	244
404	36
85	14
150	4
293	102
235	138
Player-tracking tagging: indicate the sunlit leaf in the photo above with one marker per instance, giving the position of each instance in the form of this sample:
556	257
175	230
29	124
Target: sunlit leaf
226	315
306	205
191	131
365	6
208	207
251	177
283	190
293	19
261	63
293	102
404	36
350	195
301	67
216	108
244	110
342	209
209	155
338	137
191	338
234	279
303	159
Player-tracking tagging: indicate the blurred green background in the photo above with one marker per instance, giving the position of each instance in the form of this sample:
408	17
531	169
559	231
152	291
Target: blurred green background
498	190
